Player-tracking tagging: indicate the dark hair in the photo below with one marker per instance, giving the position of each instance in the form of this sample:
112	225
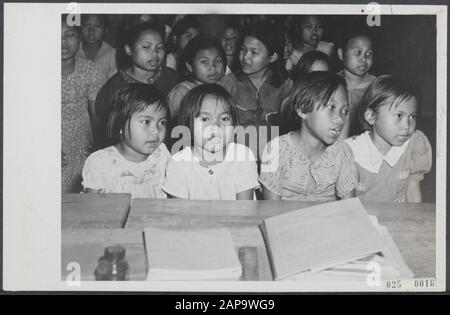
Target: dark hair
194	46
272	37
64	18
386	90
315	88
103	18
305	63
130	37
179	29
191	104
132	98
296	30
351	32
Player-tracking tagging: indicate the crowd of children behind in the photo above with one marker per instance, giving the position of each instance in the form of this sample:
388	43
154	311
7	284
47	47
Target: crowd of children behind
340	131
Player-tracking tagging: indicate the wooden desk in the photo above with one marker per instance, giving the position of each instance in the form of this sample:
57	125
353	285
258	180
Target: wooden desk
412	227
94	210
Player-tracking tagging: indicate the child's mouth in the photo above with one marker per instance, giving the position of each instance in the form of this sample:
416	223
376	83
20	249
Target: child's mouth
335	131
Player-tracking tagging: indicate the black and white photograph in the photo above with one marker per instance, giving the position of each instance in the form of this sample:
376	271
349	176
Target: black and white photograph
225	148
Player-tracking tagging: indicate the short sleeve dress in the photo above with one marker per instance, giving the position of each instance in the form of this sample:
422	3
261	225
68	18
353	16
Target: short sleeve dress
76	135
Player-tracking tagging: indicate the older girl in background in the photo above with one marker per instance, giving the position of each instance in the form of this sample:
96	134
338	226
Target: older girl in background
205	62
143	61
183	31
306	35
261	85
81	79
93	47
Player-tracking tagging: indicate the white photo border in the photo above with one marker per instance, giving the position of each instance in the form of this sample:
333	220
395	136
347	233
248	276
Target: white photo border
32	123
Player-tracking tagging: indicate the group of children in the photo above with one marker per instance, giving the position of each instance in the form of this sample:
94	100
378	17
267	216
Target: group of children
266	76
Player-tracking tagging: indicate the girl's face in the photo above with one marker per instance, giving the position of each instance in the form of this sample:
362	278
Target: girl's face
393	126
70	40
358	56
287	46
326	123
311	31
186	37
207	66
254	56
148	51
214	127
229	41
144	133
319	65
92	29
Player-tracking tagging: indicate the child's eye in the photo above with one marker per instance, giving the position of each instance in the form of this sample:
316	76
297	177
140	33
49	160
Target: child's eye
345	112
145	121
357	52
331	107
204	61
413	117
205	119
226	118
219	61
163	123
398	115
369	54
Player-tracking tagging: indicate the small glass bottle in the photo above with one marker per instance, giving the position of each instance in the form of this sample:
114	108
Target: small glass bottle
112	266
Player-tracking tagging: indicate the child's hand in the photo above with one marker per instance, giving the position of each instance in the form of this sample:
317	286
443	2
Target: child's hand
326	47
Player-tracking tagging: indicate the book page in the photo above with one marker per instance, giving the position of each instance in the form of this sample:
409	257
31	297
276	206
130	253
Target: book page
320	237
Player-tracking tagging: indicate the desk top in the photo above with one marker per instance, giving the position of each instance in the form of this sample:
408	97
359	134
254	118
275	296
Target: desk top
94	210
412	226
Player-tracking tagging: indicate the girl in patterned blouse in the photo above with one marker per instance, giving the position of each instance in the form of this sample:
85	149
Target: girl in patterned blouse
137	163
309	163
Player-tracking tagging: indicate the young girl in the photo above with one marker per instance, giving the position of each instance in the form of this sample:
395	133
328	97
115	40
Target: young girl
143	54
391	156
356	54
211	165
259	88
309	164
205	62
184	30
137	162
81	79
231	42
93	29
307	32
310	62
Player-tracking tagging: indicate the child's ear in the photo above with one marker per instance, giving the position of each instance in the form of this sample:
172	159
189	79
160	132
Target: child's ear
301	114
340	54
273	58
188	67
127	50
369	116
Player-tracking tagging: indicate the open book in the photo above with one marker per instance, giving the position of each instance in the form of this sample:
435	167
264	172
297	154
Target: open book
331	241
201	254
